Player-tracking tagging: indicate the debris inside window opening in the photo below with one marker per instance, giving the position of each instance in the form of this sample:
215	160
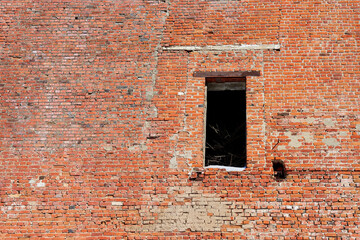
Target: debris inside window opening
226	128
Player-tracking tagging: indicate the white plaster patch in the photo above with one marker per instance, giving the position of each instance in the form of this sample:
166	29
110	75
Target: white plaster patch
6	208
308	120
294	140
281	147
343	134
308	137
333	142
149	95
275	134
173	162
205	212
247	226
14	195
32	203
40	184
108	147
173	137
153	112
328	122
117	203
293	207
311	120
297	120
345	182
137	147
358	127
180	93
187	154
331	153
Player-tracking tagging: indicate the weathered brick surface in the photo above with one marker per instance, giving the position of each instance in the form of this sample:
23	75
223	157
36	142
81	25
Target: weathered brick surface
101	125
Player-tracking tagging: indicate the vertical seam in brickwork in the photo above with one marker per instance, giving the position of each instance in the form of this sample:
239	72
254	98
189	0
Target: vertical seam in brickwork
279	23
158	48
186	90
154	74
264	109
184	117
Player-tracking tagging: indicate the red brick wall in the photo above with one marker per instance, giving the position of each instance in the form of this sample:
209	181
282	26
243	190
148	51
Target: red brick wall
101	124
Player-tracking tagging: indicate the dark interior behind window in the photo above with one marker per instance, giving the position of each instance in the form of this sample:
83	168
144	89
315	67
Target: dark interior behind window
226	128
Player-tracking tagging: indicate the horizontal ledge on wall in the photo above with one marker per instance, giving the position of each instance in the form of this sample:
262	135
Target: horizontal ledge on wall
228	169
224	47
237	74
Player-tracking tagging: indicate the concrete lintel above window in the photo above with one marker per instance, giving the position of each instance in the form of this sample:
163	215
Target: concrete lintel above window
236	47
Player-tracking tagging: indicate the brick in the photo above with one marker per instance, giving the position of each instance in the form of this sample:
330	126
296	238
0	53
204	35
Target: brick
102	119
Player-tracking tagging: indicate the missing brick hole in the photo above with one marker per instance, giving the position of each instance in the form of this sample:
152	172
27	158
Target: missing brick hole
279	169
196	174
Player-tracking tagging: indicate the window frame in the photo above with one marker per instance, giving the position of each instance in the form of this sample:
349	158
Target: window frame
222	84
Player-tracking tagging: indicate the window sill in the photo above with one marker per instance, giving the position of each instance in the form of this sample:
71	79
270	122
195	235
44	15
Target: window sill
227	168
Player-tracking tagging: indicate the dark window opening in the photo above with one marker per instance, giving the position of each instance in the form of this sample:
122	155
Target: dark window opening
226	125
279	169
